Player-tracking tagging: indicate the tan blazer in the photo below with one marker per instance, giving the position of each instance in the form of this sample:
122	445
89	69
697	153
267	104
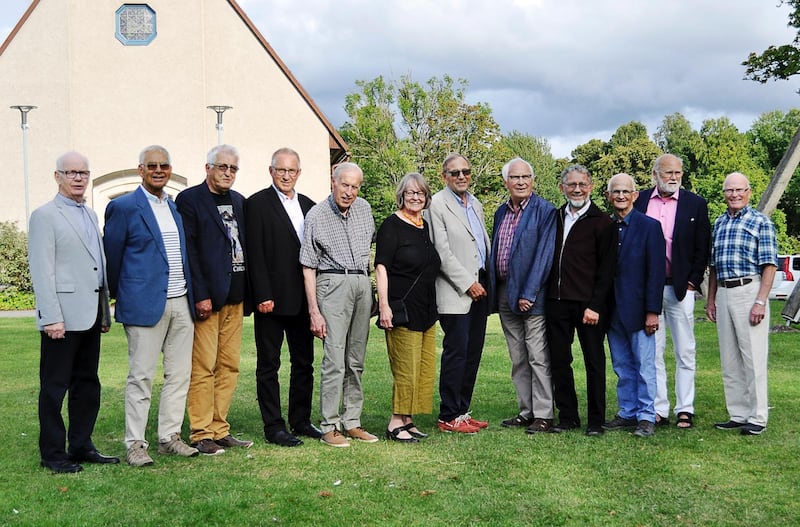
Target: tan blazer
63	271
455	242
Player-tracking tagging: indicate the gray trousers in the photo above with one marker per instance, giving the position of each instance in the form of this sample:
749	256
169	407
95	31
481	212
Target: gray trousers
345	302
530	359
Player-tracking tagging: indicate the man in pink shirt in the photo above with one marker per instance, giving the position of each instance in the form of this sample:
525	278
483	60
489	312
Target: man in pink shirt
684	219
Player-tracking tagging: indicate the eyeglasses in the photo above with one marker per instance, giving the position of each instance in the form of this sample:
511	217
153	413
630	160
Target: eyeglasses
621	192
413	194
455	173
580	184
520	177
731	191
291	172
157	166
75	174
224	168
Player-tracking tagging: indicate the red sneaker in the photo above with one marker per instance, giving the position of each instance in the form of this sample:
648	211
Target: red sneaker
474	422
459	424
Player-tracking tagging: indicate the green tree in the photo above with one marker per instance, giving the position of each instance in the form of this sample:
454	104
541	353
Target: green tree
536	151
676	136
777	62
770	135
396	127
374	145
14	272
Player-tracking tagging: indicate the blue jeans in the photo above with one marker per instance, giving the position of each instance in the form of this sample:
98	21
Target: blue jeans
633	356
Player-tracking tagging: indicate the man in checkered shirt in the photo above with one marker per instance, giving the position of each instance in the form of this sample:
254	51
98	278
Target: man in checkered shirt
335	255
743	264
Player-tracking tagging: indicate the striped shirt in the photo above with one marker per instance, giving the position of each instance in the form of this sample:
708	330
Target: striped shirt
332	240
742	244
505	235
176	285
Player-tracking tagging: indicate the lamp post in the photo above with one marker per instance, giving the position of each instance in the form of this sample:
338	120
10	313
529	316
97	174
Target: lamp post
23	111
220	110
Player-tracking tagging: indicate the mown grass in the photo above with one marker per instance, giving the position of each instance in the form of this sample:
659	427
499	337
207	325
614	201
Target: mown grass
498	477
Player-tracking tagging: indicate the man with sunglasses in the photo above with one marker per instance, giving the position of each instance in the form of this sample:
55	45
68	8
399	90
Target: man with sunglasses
213	217
459	233
67	267
149	275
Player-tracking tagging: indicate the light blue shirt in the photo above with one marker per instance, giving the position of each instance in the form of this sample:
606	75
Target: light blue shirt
475	224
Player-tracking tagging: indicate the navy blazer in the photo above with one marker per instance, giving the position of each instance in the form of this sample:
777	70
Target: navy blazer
531	256
273	252
641	271
208	244
691	239
136	259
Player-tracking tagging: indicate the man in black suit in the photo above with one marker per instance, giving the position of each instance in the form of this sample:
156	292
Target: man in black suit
213	217
275	218
687	231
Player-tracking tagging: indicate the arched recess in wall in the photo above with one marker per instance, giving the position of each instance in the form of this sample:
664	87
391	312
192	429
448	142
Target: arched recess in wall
115	184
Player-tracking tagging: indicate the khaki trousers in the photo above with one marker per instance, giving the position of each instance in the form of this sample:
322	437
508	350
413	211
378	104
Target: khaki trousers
215	371
172	336
412	358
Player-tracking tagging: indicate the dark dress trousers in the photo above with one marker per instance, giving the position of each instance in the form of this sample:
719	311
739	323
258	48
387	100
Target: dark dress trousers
275	274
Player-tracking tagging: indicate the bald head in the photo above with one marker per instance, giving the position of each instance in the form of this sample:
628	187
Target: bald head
621	193
737	192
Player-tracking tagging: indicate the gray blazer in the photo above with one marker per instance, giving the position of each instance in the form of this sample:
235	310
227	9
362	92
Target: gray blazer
63	270
457	249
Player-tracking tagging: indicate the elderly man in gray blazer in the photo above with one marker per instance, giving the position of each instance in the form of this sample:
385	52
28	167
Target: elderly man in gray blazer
460	237
67	264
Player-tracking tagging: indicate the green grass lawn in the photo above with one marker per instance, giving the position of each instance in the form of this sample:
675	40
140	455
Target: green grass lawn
497	477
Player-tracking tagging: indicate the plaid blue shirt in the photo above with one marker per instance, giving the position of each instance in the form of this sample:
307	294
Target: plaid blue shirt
742	244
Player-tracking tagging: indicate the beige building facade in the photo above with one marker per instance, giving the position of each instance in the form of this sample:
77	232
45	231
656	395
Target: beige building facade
110	77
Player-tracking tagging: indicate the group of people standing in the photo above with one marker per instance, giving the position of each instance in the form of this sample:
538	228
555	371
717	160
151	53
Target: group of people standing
184	273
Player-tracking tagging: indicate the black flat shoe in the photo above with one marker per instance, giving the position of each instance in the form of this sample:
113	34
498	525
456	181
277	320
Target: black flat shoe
308	430
414	433
93	456
283	438
392	435
62	466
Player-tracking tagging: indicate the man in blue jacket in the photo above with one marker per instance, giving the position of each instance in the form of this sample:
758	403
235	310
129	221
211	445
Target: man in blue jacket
638	294
520	261
148	274
213	216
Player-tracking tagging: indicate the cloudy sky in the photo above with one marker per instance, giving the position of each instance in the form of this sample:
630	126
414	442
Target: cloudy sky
566	70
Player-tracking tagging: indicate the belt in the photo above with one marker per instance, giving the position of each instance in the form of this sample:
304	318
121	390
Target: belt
668	281
341	271
735	283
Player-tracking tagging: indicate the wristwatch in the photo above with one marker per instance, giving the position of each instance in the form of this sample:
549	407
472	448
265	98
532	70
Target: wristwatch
760	302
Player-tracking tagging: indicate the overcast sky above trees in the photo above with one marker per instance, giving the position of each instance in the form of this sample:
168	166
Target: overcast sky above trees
566	70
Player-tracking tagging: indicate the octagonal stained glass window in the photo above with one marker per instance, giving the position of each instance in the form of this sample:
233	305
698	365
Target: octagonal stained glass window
136	24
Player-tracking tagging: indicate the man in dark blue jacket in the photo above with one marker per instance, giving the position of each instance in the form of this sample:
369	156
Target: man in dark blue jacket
638	295
213	216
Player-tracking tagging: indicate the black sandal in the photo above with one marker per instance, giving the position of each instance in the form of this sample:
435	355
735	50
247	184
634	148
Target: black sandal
686	419
414	433
392	435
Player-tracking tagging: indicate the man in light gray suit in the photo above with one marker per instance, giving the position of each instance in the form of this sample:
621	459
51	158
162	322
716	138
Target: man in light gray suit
460	237
67	266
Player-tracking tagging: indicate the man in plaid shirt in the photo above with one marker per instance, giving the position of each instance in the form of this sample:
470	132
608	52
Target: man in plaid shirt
742	268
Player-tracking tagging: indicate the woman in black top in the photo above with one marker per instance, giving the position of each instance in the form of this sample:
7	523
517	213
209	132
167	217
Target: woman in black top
406	265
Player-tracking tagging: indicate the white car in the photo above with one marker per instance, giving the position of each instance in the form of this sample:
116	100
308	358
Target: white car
786	277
